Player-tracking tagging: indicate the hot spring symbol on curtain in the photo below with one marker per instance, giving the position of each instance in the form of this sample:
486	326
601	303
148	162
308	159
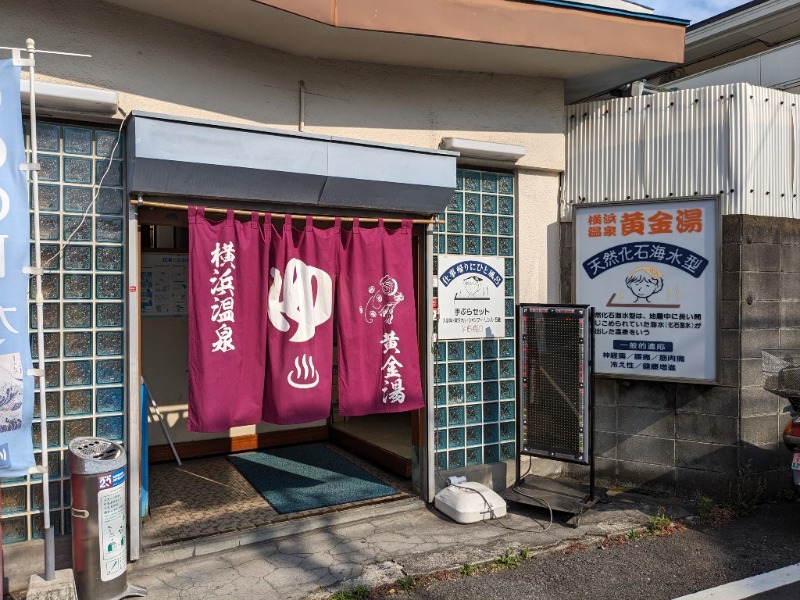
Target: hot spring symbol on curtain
248	364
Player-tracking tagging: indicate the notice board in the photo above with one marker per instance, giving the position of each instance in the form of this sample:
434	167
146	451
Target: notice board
165	285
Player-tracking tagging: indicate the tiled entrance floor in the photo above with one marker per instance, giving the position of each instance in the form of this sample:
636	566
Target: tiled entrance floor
208	496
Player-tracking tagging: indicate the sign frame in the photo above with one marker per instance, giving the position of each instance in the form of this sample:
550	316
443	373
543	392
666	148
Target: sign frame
716	277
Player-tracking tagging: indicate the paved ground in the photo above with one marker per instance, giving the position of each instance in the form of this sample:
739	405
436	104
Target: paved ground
371	546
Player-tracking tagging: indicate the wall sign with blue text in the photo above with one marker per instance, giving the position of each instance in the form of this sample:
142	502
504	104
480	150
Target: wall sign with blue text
650	270
471	297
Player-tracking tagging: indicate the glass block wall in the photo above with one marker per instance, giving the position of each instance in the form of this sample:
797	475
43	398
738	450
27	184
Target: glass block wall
474	380
84	312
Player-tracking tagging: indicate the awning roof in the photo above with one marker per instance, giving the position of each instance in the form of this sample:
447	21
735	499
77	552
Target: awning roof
170	156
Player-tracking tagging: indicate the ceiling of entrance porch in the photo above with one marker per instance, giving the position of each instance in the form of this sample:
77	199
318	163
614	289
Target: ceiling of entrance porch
585	48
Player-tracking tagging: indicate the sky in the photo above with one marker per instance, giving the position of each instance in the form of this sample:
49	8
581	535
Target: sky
692	10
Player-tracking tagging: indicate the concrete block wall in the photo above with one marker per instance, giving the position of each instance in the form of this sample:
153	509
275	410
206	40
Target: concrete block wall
694	439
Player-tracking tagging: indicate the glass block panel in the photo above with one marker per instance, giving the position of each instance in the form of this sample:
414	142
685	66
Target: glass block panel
456	202
473	350
505	226
439	395
472	244
490	369
108	258
77	170
78	229
455	244
506	368
107	141
505	184
108	173
52	376
455	223
455	415
507	348
442	246
109	400
109	201
455	372
50	169
441	462
489	182
53	438
509	267
455	350
48	136
441	439
509	327
78	372
489	348
490	390
108	230
473	371
109	343
37	501
78	402
508	410
48	197
110	427
506	205
49	287
489	246
440	418
109	315
455	393
472	203
490	412
50	313
505	246
15	530
76	428
77	344
473	413
455	459
52	402
49	226
489	204
474	392
491	453
507	389
509	286
474	456
472	181
50	256
491	433
52	345
78	258
77	199
78	287
109	287
15	499
489	225
508	451
509	307
77	314
472	224
439	373
455	438
474	435
109	371
77	140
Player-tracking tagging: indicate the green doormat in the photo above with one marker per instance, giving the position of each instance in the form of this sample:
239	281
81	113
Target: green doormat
310	476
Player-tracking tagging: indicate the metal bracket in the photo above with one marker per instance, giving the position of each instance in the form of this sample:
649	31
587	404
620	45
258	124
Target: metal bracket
36	372
33	270
36	470
79	513
30	167
18	61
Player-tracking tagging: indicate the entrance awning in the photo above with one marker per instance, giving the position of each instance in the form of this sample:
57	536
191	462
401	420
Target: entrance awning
170	156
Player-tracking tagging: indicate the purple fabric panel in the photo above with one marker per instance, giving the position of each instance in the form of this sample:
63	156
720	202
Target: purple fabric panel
377	323
300	331
227	322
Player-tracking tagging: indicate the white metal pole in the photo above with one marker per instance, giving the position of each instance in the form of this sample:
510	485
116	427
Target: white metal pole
428	458
49	541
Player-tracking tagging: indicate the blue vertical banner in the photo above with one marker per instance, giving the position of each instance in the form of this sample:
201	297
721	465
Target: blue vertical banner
16	386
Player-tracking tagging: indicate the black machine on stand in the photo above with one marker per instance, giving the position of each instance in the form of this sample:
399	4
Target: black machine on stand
555	404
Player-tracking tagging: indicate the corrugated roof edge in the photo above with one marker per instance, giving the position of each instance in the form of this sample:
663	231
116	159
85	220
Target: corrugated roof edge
727	13
609	11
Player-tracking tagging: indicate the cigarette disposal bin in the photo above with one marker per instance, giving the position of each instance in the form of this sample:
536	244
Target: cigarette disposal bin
99	532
